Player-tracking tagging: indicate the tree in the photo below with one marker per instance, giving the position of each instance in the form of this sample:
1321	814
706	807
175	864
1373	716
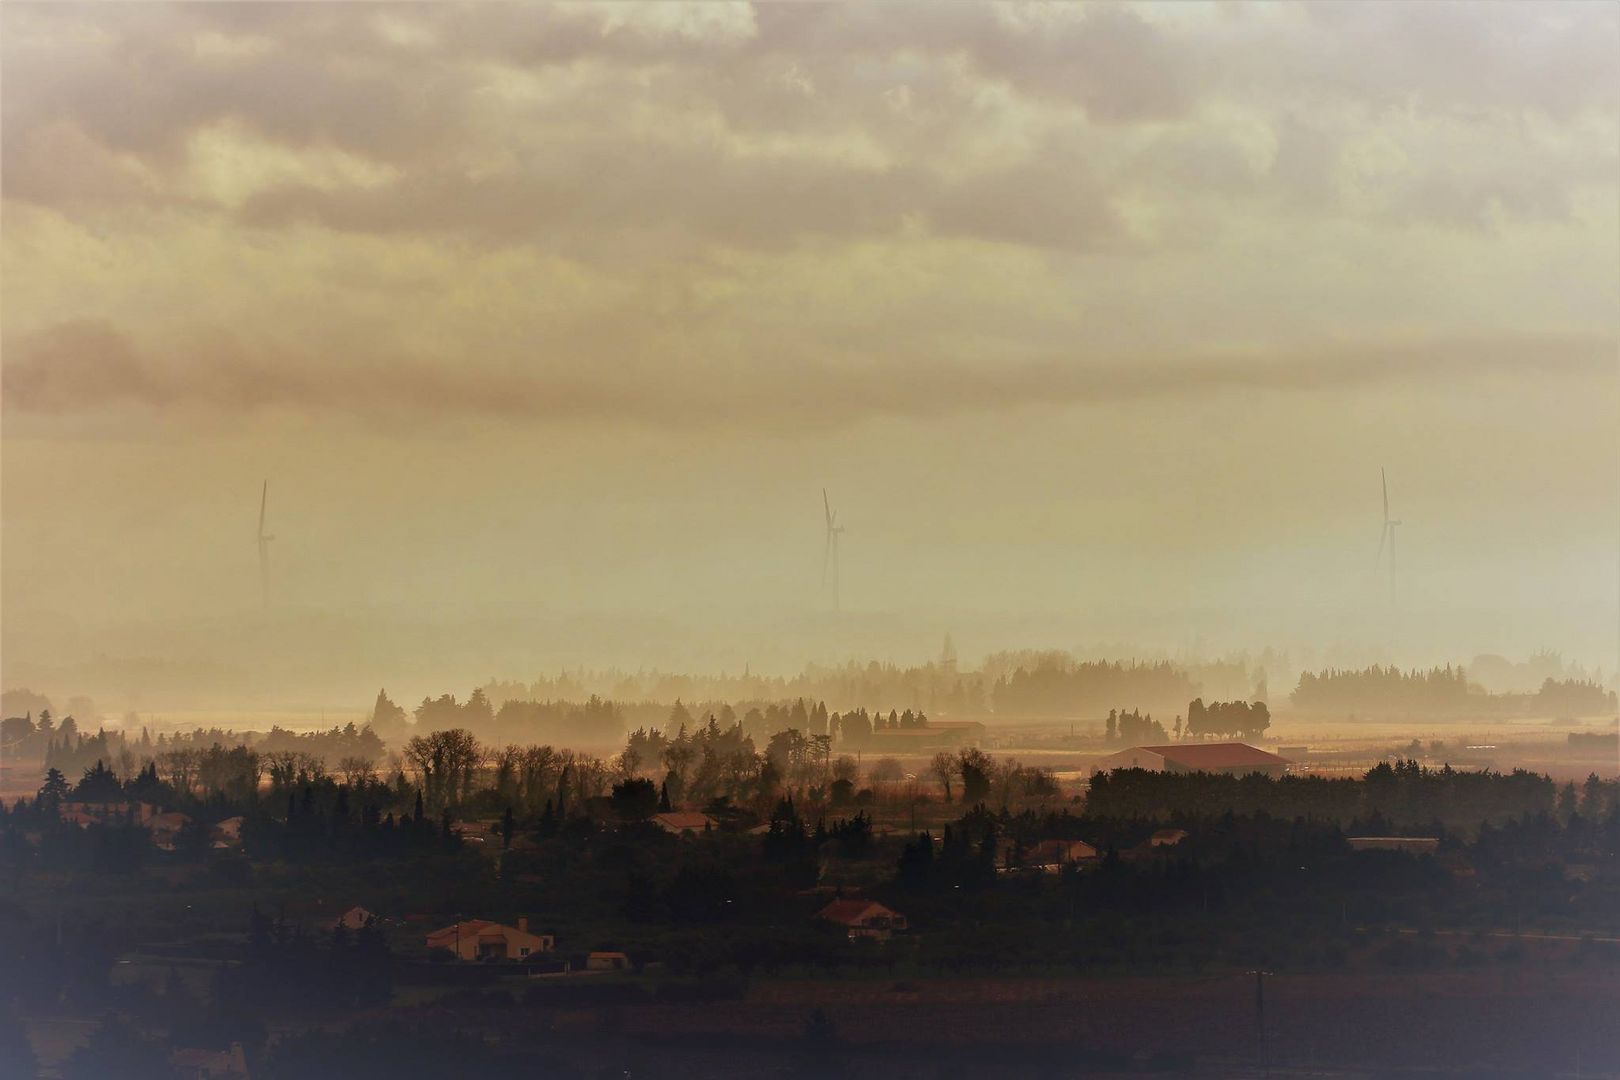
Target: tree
508	827
446	763
1195	718
1259	719
388	720
477	714
635	799
887	771
99	785
1567	803
54	790
357	771
945	766
975	766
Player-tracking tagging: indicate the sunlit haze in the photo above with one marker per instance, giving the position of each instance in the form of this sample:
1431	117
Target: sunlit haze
548	327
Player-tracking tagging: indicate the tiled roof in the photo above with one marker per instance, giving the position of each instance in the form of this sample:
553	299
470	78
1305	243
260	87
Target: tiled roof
850	912
679	820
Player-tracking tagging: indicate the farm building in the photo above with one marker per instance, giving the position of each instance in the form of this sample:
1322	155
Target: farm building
864	918
1231	758
480	939
683	822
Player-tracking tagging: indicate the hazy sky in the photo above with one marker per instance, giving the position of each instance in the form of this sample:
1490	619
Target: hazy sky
1096	321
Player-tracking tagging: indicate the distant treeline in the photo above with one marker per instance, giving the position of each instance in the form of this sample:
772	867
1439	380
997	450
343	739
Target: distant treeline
1439	691
600	722
1404	794
937	687
193	757
1059	688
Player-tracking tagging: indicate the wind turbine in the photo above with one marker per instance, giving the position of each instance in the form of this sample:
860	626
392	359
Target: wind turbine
829	552
1386	538
264	546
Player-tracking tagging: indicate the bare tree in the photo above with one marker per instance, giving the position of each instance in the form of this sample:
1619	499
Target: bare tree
945	766
358	772
283	767
447	762
1006	774
538	765
508	762
179	769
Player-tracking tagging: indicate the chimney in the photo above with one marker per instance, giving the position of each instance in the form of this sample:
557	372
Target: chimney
523	924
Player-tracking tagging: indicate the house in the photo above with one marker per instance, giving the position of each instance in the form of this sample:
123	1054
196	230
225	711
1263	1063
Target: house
166	828
607	961
864	918
683	822
356	918
1167	837
1412	845
69	814
1230	758
195	1064
117	812
480	939
228	833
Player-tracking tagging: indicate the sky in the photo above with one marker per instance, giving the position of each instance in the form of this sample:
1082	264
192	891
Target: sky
547	326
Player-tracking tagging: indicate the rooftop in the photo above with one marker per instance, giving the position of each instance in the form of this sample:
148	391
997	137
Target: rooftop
1224	755
853	911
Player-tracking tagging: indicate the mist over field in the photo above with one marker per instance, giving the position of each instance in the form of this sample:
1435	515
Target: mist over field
894	540
547	331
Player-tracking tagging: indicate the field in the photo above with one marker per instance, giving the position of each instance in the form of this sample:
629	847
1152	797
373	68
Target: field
1537	1018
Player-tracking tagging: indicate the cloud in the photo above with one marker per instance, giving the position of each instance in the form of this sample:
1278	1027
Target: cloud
755	126
88	367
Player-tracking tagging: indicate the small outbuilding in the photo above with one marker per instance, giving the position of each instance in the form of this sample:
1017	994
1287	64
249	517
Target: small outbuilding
607	961
356	918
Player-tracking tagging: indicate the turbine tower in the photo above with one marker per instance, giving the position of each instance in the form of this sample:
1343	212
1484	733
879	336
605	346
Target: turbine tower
264	547
1386	539
829	552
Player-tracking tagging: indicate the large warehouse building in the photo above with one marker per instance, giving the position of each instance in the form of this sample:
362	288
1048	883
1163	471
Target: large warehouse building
1232	758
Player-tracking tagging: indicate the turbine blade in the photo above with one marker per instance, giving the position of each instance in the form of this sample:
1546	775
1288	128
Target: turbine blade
826	507
1383	535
